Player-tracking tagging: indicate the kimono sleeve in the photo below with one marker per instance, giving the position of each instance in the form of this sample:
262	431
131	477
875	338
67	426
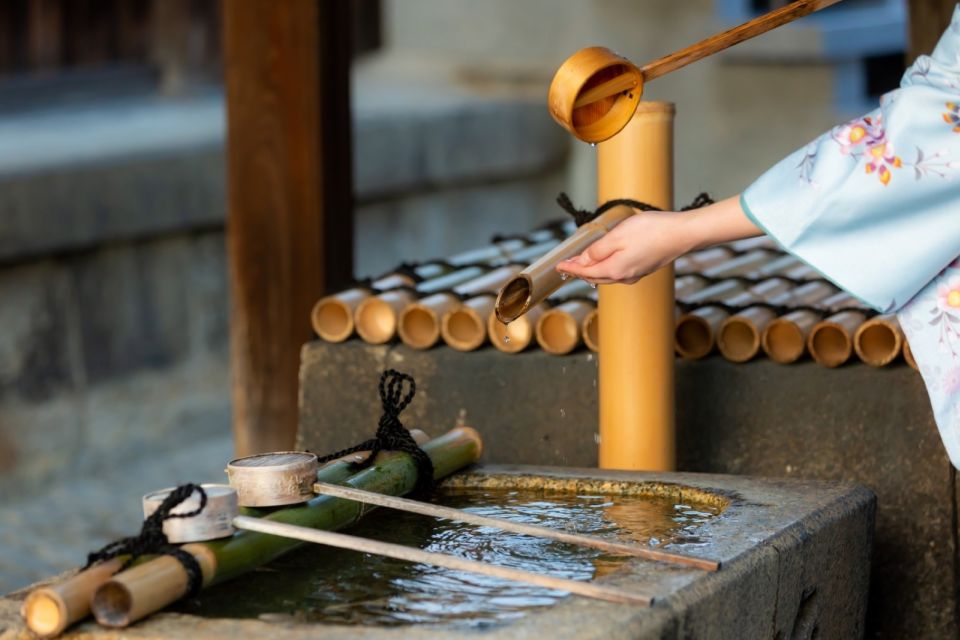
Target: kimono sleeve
874	205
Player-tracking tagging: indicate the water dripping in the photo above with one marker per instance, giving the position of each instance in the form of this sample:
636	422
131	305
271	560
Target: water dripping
593	285
506	339
564	276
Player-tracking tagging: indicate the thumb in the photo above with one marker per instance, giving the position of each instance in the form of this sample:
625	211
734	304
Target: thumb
598	251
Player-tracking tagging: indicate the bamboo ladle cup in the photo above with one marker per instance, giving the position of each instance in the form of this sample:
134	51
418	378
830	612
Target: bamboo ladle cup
595	91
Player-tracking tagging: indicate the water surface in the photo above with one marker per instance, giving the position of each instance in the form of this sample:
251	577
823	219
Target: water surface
318	584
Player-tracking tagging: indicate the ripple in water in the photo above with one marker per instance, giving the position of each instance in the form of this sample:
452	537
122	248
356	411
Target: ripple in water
318	584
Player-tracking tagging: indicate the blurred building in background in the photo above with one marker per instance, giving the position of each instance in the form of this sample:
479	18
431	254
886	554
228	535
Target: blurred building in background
113	323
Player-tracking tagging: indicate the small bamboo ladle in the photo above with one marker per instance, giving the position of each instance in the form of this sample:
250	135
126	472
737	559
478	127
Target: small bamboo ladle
595	92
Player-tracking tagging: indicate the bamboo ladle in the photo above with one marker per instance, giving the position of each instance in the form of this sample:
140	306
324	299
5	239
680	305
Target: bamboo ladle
595	92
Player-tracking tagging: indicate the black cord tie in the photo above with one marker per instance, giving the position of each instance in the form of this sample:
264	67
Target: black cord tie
153	541
391	434
583	216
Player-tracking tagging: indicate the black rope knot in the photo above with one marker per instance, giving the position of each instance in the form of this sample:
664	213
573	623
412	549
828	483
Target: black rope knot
583	216
396	392
153	541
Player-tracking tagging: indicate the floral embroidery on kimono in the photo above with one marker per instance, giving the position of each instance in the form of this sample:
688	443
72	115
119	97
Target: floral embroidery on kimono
848	204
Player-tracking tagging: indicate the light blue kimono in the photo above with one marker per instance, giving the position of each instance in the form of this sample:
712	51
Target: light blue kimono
874	205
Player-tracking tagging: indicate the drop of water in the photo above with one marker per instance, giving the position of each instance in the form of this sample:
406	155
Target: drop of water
563	413
593	285
564	276
593	144
506	339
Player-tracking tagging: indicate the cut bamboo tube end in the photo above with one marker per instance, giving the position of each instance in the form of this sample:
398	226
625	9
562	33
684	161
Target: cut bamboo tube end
141	590
530	287
419	324
831	341
558	331
464	328
332	319
49	610
516	336
696	332
784	341
377	318
738	339
591	331
878	341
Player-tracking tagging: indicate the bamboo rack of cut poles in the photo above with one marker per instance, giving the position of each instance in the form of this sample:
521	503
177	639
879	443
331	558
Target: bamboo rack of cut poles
745	300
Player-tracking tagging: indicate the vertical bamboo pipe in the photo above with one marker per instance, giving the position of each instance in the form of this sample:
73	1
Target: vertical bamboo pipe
636	376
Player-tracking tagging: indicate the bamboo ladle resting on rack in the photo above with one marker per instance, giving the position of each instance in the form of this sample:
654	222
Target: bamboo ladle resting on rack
595	91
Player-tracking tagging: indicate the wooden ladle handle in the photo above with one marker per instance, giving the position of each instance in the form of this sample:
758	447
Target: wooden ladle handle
721	41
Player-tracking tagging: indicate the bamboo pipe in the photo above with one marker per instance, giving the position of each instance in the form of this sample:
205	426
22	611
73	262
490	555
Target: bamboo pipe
559	329
419	322
740	336
332	316
684	286
377	317
741	265
908	356
697	331
749	244
532	285
784	339
464	327
879	340
636	375
517	336
595	92
151	586
830	342
537	531
700	260
692	338
49	610
448	561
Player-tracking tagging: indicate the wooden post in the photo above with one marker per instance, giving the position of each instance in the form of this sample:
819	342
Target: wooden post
636	322
928	20
289	174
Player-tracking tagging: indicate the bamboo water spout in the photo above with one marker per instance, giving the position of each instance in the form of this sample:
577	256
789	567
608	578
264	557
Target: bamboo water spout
519	334
532	285
879	340
464	327
151	586
595	92
377	317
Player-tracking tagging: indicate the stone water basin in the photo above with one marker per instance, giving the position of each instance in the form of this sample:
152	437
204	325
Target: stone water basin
795	560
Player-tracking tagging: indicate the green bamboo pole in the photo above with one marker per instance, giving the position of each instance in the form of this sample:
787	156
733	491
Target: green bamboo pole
50	609
151	586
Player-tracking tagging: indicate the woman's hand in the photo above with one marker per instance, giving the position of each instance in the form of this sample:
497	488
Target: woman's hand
634	248
652	239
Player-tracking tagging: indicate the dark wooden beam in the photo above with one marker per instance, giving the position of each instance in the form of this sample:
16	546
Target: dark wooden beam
289	173
928	20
